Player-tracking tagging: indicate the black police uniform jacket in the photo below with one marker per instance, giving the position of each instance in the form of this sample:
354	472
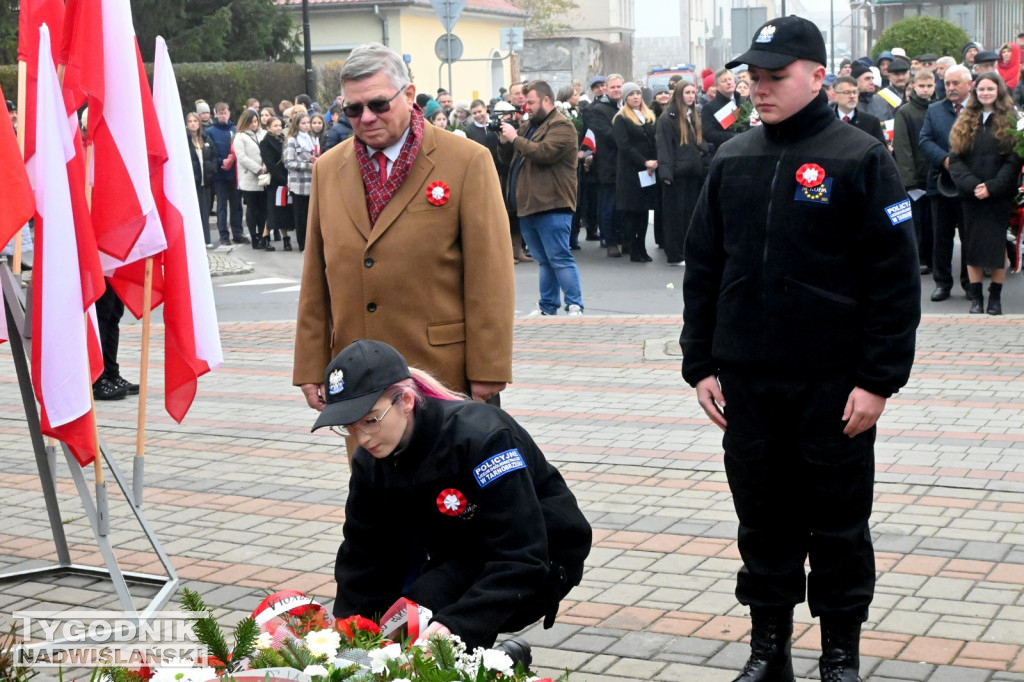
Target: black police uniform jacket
787	279
470	499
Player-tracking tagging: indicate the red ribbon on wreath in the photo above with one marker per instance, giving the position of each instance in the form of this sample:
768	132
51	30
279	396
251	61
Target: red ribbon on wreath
438	193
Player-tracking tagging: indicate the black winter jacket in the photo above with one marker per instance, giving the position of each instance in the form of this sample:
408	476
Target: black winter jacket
636	147
906	147
598	116
520	536
272	152
211	161
985	163
788	280
676	161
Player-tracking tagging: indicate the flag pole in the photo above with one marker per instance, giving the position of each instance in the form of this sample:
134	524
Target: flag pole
138	465
22	95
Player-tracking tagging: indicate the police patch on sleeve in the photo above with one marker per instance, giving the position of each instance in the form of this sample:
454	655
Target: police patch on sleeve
899	213
492	469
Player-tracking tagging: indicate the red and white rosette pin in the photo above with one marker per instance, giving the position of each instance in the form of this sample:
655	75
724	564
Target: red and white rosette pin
451	502
810	175
438	193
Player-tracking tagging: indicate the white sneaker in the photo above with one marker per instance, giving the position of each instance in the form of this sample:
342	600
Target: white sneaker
539	313
575	311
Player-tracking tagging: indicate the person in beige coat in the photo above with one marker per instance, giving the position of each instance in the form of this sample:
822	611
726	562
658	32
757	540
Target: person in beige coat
415	254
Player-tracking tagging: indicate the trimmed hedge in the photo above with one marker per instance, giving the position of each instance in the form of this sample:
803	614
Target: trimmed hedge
921	35
231	82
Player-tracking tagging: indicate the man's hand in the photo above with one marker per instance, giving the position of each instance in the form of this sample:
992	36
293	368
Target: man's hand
709	395
314	394
981	191
483	390
508	132
863	409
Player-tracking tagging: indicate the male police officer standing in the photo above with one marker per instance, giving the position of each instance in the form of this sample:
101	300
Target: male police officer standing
802	298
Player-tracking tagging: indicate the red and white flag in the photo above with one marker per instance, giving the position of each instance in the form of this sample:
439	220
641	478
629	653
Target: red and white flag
192	345
590	140
726	116
31	15
103	64
19	204
62	364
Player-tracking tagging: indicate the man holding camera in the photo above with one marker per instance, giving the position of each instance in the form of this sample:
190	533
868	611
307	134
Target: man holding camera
542	193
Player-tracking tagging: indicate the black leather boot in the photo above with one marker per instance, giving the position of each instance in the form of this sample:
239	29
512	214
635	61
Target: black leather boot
977	298
287	243
770	647
840	650
995	299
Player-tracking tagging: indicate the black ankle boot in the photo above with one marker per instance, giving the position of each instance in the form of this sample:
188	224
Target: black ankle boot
840	650
995	302
977	298
287	243
770	647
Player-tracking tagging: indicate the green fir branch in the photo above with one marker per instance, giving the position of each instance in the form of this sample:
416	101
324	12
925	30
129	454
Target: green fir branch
245	635
206	629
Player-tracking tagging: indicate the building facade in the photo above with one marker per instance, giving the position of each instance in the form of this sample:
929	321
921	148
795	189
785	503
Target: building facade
412	28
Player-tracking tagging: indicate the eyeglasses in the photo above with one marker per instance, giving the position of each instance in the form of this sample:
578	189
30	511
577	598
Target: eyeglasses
368	426
377	106
846	93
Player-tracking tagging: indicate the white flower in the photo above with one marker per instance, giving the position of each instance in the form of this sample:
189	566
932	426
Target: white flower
1020	124
497	661
315	671
323	642
264	641
379	658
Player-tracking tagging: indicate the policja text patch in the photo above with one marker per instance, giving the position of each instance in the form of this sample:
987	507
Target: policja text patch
899	213
497	466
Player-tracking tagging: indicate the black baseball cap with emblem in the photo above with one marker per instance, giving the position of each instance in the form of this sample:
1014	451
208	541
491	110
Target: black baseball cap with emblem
356	379
780	42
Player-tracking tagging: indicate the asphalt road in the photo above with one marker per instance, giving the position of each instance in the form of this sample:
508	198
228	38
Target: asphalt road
610	287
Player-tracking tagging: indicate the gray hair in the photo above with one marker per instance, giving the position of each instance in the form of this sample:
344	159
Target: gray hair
945	61
368	60
958	69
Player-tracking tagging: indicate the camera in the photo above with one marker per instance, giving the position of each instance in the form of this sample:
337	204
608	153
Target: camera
503	113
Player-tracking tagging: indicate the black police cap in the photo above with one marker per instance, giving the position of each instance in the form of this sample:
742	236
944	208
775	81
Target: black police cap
780	42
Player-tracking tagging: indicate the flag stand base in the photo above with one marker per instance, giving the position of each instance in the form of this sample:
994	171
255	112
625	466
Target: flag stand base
97	511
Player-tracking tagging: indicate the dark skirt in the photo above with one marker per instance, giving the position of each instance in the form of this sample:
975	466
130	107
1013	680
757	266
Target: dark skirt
985	224
278	217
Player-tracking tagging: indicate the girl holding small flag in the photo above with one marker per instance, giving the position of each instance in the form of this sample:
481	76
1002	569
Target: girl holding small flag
279	210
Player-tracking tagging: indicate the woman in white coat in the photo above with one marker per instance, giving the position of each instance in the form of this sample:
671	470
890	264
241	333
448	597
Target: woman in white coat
250	167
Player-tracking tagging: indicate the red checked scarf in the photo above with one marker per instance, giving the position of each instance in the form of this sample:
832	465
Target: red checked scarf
378	194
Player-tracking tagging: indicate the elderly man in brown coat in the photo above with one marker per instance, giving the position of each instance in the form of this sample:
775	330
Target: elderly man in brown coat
407	242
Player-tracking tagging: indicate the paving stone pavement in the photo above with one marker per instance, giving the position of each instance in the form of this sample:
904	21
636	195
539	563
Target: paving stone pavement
245	500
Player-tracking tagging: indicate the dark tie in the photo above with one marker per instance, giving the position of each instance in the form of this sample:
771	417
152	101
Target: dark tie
846	118
382	165
957	108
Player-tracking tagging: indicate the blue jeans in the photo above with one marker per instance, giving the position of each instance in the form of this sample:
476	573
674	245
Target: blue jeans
607	217
547	235
228	195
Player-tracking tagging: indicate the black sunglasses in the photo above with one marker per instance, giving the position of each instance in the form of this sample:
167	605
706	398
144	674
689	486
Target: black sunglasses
377	106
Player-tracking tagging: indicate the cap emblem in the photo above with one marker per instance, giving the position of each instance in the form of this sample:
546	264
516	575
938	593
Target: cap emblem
766	34
336	382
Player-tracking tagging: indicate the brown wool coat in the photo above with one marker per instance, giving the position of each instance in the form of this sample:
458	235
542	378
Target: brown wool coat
436	282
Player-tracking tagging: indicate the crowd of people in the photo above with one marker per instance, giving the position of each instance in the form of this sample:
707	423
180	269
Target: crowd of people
639	151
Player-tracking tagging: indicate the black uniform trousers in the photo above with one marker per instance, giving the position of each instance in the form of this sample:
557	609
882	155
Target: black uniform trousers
947	218
109	310
801	489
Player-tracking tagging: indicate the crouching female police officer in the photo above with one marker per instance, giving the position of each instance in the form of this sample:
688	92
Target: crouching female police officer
451	504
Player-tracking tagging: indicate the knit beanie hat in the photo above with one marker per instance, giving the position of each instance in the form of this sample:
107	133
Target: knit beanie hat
432	108
858	69
202	108
708	82
628	89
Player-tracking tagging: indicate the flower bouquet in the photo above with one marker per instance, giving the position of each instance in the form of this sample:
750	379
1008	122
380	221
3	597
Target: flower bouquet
291	637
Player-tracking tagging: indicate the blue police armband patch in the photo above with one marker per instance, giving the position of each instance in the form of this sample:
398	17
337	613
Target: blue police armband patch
899	213
492	469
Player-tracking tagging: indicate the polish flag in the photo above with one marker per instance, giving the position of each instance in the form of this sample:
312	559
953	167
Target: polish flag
62	369
103	64
19	204
31	15
192	346
590	140
726	116
889	129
